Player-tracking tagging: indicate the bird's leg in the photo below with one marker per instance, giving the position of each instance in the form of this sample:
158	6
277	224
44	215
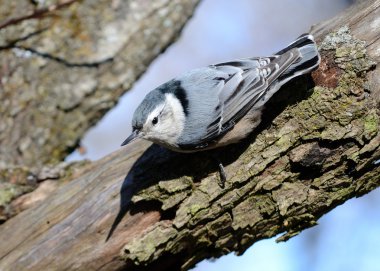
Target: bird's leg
222	173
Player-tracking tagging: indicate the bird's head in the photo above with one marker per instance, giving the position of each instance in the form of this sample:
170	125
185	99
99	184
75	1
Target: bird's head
159	118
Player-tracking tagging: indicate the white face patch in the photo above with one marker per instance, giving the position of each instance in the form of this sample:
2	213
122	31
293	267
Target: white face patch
170	122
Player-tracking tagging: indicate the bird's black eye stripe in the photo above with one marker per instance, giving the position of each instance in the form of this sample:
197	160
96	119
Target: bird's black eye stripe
154	120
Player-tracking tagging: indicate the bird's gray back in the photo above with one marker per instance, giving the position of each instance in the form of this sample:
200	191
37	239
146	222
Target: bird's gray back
202	90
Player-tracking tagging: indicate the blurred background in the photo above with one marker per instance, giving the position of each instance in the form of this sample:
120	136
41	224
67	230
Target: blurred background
347	238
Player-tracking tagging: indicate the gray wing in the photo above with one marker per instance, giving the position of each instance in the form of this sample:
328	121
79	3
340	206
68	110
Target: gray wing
242	85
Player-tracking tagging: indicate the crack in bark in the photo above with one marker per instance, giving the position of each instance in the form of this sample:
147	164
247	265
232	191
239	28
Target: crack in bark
62	61
373	41
11	44
371	10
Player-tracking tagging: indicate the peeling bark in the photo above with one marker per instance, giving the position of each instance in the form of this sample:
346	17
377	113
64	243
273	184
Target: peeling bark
159	210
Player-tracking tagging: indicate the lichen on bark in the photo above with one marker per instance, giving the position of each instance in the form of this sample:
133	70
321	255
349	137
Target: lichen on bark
309	160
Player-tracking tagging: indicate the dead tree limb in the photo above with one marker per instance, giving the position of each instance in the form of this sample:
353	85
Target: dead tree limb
163	210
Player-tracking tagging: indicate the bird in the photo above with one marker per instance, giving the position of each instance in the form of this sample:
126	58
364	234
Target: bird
220	104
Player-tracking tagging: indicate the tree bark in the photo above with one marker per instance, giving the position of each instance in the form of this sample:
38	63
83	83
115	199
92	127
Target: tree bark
71	61
146	208
63	65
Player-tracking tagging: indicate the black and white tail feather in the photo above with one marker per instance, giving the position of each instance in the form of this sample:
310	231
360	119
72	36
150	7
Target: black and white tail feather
309	58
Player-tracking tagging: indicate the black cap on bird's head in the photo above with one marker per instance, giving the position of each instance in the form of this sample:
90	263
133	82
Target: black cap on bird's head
150	102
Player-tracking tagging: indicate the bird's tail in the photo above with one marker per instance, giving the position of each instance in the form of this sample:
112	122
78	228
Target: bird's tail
308	60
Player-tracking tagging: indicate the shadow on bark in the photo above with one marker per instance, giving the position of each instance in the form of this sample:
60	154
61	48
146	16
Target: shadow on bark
158	164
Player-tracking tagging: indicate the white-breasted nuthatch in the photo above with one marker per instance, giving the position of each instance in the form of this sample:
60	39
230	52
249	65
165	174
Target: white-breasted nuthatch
219	104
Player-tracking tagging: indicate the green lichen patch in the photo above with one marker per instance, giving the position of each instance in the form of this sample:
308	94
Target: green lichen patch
170	193
350	53
371	125
177	185
150	193
174	200
334	39
8	192
149	246
14	182
190	207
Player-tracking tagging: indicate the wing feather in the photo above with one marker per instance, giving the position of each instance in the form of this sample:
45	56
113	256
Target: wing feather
238	87
244	83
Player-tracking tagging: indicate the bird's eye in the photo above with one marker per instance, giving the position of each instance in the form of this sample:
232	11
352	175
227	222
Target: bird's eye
154	121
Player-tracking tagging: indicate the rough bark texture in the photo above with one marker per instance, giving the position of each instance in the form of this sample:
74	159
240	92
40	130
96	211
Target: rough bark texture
162	210
63	64
68	66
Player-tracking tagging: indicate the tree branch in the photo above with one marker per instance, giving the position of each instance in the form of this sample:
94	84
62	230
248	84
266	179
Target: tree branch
164	210
73	67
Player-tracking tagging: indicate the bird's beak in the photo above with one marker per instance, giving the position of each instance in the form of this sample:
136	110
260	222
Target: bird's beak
133	136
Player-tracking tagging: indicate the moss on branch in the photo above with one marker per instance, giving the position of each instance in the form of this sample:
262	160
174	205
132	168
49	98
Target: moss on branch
316	154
